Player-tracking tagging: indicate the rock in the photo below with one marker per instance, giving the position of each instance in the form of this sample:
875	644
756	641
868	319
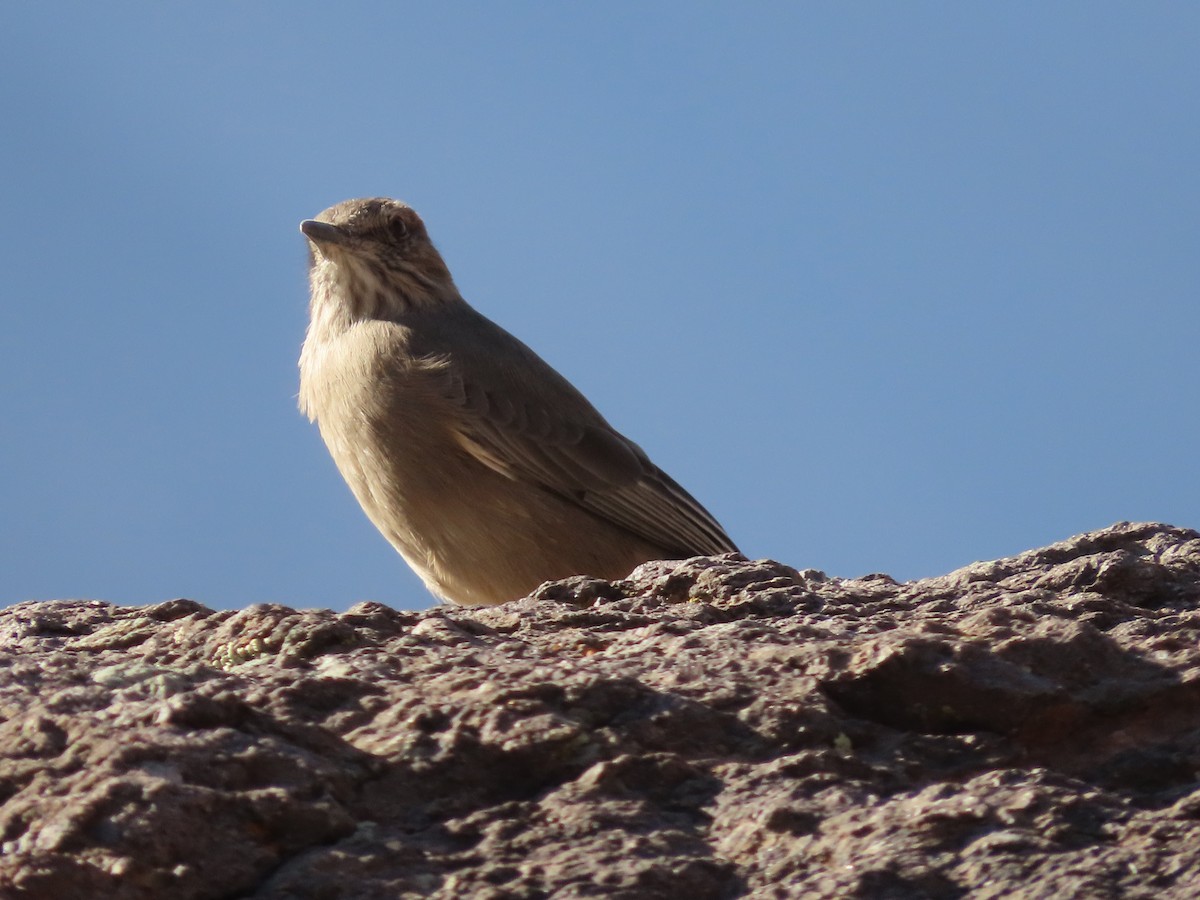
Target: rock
712	728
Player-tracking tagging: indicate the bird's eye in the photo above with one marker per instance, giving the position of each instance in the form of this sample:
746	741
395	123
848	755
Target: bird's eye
398	228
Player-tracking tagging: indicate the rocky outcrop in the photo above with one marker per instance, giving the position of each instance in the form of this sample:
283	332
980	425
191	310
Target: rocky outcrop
706	729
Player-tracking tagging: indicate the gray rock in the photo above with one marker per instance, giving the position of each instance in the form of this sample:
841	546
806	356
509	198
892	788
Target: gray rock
707	729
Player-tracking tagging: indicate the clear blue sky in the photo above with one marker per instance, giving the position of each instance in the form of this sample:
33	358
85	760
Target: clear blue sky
890	287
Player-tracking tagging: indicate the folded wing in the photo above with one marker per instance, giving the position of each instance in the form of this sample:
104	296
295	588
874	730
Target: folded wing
527	422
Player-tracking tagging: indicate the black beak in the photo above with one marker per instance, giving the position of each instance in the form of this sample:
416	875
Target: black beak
323	232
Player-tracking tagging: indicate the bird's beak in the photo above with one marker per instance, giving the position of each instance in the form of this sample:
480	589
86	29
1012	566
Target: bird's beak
323	232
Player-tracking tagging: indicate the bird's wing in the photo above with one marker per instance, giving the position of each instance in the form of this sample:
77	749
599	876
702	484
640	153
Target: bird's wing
524	420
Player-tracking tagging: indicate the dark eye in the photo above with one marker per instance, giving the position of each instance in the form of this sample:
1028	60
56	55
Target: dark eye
398	228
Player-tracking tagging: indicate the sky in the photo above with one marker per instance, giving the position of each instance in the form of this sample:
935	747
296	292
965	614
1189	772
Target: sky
890	287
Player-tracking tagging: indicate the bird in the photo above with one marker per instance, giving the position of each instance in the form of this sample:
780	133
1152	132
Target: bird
485	468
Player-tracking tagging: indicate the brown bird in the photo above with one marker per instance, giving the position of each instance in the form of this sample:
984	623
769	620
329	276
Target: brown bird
484	467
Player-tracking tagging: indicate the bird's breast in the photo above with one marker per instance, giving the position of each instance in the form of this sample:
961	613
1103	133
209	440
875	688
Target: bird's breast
381	411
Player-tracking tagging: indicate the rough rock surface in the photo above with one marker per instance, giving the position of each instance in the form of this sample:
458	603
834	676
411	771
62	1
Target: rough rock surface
707	729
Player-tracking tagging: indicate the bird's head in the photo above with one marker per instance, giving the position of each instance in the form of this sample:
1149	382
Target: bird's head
373	259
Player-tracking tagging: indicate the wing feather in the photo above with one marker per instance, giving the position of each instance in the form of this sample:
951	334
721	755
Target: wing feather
521	418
